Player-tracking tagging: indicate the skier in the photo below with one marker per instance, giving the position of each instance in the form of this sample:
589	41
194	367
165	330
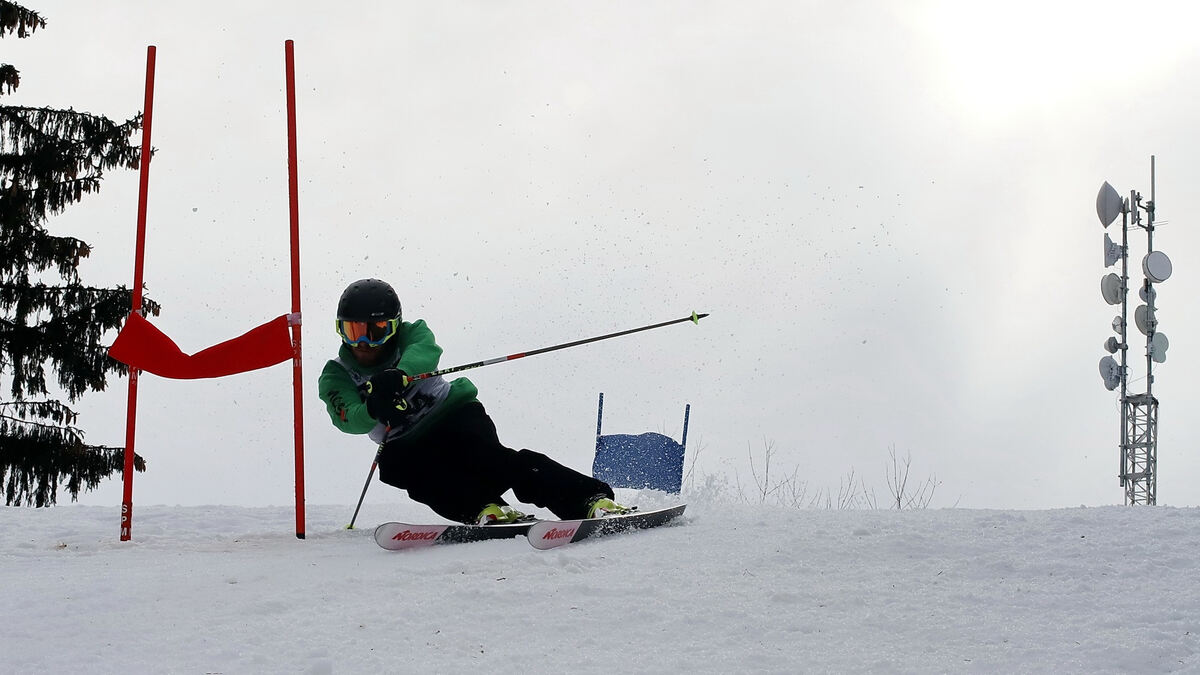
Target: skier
437	441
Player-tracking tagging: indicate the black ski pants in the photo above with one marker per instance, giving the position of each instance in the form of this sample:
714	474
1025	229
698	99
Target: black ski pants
459	466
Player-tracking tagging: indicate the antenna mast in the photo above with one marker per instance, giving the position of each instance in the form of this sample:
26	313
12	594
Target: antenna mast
1139	412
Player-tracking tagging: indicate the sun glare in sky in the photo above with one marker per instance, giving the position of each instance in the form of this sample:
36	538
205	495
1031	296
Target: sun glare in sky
1001	60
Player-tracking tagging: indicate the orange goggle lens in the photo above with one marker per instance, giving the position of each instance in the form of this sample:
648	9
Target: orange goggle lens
373	333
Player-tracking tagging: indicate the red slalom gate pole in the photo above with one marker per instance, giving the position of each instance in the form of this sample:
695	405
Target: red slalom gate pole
294	318
139	258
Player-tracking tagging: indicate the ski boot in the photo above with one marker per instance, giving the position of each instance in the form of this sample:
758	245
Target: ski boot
500	514
601	507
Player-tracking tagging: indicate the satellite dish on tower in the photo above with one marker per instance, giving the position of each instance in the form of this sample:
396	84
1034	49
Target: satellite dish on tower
1157	266
1109	204
1110	288
1118	325
1110	372
1143	316
1147	293
1158	348
1111	345
1112	251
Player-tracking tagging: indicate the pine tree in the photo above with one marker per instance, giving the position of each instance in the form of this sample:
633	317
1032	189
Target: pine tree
49	159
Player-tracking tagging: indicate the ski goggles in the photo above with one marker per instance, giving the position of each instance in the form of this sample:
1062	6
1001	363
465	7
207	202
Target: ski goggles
372	333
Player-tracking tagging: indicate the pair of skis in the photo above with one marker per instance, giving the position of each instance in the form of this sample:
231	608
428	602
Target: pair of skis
542	534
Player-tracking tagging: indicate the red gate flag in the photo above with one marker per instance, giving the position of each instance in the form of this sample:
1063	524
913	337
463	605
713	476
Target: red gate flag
140	345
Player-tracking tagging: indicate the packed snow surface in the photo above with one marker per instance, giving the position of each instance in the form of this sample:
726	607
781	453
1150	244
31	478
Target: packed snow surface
728	588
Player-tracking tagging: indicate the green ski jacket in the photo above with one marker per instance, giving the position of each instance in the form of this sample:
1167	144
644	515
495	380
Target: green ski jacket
342	385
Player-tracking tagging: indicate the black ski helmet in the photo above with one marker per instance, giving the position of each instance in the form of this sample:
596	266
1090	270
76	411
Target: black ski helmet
368	300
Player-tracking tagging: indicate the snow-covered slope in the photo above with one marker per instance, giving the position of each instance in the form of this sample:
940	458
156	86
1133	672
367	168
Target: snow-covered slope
731	588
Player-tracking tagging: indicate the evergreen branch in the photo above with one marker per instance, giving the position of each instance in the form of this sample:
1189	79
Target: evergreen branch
31	250
51	158
30	205
75	433
10	79
31	468
16	19
32	300
52	410
34	125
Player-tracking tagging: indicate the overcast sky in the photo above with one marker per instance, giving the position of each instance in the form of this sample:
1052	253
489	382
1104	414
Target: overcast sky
888	208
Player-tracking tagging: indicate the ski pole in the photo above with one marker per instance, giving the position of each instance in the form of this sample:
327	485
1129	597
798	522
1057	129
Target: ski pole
694	318
374	463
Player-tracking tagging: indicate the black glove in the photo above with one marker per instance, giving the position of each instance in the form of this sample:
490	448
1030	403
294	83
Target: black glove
385	396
